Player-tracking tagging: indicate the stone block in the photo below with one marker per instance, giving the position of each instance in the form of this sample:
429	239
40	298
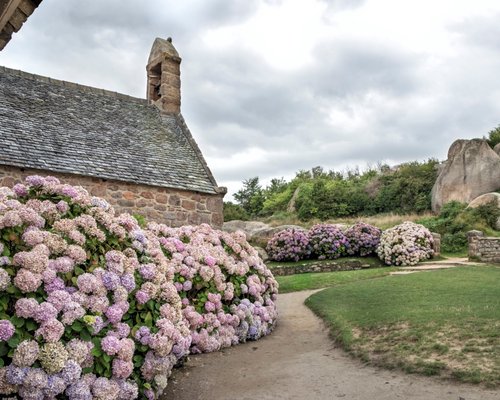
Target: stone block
174	200
147	195
161	198
128	195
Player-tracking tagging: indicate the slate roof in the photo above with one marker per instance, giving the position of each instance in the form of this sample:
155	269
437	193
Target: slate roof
64	127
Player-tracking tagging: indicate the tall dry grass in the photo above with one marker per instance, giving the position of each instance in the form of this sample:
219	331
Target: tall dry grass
383	221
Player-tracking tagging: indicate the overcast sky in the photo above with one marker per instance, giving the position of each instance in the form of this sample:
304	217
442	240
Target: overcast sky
270	87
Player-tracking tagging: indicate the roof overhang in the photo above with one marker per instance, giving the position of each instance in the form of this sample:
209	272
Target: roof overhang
13	14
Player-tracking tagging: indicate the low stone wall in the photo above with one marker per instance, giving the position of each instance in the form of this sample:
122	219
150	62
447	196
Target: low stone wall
170	206
482	248
321	266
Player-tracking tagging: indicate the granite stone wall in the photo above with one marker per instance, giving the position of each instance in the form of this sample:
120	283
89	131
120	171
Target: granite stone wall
320	266
173	207
482	248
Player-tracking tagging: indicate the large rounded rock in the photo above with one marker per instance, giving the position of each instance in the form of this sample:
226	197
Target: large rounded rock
485	199
262	236
496	149
248	227
472	169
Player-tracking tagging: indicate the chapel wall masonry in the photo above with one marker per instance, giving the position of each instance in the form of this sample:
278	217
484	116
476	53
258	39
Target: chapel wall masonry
172	207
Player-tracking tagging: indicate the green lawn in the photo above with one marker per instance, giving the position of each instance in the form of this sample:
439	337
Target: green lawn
443	323
308	281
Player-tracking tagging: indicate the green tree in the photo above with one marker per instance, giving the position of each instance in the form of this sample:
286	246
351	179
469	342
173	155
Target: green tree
234	211
251	196
494	137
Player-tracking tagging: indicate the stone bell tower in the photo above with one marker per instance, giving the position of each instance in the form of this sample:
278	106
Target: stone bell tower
164	76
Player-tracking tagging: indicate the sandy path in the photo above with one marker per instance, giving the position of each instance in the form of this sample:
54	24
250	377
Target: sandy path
299	361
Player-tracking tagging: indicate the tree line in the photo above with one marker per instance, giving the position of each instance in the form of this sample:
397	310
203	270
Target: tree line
331	194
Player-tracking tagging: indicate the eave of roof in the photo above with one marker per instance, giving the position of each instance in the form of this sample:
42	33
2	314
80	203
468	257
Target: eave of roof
13	14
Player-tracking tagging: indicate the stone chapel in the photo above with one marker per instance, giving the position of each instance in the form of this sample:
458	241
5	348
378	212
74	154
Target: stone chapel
136	153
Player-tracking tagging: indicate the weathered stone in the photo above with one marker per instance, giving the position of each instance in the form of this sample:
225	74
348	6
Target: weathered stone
142	203
436	246
174	201
496	149
485	199
126	203
128	195
188	205
248	227
472	169
262	236
147	195
161	198
262	253
291	204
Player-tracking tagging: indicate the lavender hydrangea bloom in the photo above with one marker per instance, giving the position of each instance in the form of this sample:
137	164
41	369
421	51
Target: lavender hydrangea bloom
289	245
363	239
327	241
6	330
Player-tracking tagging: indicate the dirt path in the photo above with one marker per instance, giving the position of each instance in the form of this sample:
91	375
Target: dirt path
299	361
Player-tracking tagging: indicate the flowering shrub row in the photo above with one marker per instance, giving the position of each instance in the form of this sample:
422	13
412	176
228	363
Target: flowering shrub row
94	307
405	244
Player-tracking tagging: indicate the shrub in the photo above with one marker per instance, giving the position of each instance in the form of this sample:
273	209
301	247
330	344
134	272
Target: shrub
363	239
289	245
327	241
405	244
227	292
234	212
456	219
92	306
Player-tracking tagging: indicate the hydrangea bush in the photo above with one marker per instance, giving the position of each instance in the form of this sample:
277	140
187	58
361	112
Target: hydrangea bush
363	239
227	292
327	241
94	307
405	244
289	245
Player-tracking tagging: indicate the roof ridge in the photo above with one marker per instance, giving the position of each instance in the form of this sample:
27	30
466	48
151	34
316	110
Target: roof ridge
71	85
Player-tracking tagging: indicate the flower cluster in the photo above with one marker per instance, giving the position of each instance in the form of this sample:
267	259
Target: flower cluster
327	241
227	291
94	307
363	239
405	244
289	245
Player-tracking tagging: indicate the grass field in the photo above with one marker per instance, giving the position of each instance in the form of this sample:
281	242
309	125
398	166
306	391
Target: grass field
294	283
443	323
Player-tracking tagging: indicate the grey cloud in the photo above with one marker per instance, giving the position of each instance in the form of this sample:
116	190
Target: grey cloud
344	4
482	32
350	67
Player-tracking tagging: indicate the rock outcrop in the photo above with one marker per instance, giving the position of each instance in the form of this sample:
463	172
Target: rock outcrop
485	199
496	149
472	169
258	233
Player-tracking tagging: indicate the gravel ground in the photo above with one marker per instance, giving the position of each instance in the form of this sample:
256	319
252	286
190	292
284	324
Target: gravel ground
299	361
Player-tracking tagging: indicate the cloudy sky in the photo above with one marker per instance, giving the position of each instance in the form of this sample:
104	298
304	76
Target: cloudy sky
270	87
